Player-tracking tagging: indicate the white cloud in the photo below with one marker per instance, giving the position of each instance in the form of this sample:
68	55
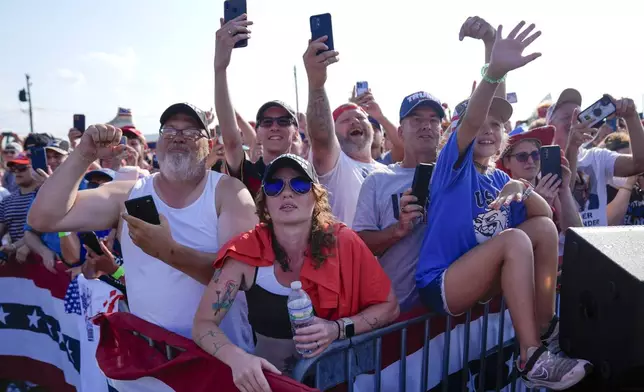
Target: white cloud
72	77
125	62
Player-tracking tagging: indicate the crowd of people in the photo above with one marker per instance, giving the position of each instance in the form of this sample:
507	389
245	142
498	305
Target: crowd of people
324	197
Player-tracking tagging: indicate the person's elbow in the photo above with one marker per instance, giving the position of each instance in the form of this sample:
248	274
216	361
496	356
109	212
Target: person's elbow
393	308
38	220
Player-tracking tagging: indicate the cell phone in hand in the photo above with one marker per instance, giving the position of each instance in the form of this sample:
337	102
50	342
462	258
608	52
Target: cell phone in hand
90	239
233	9
361	88
598	111
320	26
79	122
143	208
420	184
38	157
550	160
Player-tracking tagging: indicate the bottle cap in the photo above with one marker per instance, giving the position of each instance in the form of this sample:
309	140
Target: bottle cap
296	285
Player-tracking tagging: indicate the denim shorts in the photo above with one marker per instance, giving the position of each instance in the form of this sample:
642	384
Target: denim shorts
433	296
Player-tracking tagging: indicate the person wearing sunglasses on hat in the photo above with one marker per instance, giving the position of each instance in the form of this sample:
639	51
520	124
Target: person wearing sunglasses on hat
298	239
485	225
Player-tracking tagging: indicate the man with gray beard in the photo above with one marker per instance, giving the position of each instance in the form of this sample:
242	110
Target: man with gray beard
166	266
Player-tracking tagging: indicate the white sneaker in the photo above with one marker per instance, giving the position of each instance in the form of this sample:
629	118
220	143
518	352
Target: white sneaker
546	370
551	338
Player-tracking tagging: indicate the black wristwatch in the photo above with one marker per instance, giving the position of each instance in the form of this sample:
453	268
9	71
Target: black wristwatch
348	327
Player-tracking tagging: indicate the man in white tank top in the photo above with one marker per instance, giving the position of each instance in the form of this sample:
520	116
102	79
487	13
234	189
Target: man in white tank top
168	265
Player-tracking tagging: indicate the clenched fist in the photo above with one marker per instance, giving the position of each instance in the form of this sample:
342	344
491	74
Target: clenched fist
101	141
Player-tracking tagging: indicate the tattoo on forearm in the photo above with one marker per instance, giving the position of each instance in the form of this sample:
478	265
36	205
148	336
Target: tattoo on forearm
226	298
217	345
211	334
320	119
216	275
372	324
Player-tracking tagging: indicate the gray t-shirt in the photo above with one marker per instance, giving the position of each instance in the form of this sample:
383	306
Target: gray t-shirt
378	208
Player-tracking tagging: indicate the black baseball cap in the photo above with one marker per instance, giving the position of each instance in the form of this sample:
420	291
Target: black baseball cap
272	104
294	162
187	109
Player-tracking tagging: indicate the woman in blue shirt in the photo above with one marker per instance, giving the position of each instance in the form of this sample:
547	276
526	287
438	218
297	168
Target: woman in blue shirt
489	234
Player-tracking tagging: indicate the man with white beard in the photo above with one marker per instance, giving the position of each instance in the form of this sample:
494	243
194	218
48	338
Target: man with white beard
166	266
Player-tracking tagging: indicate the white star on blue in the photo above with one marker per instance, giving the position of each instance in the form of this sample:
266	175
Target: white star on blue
72	298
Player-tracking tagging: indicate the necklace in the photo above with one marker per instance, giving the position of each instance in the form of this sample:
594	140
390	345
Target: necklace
481	168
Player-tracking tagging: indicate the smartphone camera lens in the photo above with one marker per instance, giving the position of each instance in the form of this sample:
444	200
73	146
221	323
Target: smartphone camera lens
316	23
597	112
226	5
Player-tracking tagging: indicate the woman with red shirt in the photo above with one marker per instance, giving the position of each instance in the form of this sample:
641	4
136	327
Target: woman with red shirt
298	239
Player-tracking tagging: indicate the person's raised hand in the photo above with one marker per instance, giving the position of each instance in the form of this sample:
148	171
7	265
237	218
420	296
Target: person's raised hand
625	107
477	28
548	187
316	64
580	132
74	136
101	141
227	36
369	104
507	53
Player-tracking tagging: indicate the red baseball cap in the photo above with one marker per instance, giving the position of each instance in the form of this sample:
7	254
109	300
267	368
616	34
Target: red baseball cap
20	159
542	135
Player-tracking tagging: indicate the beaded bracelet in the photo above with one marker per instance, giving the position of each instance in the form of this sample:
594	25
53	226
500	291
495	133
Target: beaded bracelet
488	79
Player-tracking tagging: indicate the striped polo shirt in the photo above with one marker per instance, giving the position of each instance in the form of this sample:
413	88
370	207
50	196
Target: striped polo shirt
13	213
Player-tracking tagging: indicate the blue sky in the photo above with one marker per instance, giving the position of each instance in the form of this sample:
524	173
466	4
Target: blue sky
91	57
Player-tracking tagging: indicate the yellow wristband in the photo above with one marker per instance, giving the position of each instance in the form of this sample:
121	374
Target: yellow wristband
119	273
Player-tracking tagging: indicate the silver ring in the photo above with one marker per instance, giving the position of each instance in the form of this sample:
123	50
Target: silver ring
230	32
317	343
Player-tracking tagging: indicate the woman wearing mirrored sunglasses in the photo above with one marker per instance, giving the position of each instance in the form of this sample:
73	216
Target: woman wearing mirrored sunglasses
298	239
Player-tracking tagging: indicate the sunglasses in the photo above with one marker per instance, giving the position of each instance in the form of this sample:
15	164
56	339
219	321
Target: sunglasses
19	169
283	121
275	186
523	156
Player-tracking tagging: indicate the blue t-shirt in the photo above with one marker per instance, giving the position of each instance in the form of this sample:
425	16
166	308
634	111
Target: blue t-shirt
459	218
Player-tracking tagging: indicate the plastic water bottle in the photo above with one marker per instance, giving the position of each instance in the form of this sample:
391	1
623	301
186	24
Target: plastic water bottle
300	309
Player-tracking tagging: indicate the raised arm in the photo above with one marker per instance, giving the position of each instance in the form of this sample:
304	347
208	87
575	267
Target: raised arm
506	55
228	35
215	303
60	207
325	147
630	165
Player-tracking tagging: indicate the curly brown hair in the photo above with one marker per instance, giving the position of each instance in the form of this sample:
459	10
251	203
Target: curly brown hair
322	237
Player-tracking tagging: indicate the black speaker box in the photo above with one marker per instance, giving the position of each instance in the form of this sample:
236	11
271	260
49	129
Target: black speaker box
602	302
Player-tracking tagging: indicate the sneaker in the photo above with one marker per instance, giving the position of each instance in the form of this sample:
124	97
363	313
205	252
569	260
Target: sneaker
550	339
545	370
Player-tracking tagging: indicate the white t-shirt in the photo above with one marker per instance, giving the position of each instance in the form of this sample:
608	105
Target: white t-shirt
596	167
343	183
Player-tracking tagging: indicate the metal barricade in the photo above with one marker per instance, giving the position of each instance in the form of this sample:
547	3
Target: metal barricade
345	361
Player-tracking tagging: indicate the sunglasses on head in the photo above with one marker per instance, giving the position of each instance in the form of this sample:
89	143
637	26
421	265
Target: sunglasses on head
275	186
523	156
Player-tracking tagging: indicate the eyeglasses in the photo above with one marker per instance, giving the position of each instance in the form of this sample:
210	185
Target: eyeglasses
190	133
283	121
275	186
523	156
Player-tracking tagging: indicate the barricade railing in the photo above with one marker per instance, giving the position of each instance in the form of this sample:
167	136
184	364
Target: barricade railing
345	361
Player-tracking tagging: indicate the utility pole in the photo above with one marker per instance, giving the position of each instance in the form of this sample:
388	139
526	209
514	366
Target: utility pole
25	96
31	115
297	95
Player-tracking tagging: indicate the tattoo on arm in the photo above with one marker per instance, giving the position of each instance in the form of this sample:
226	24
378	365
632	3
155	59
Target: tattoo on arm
372	324
226	298
217	345
217	274
320	119
212	334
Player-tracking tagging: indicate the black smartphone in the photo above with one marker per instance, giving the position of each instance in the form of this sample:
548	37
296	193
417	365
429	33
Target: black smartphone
550	160
598	111
79	122
321	26
143	208
420	184
233	9
39	158
90	239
